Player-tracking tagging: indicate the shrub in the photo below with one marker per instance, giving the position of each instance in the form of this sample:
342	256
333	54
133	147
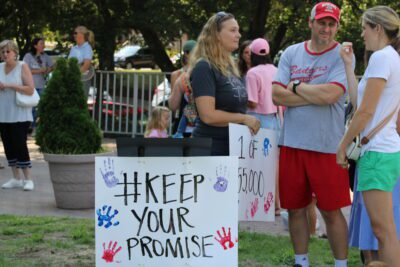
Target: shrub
65	126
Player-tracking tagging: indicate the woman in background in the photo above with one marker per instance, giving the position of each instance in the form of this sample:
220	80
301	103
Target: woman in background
83	52
244	63
40	65
15	76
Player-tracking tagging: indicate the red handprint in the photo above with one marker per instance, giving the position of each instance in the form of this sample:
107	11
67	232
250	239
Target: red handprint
253	207
109	253
224	239
268	202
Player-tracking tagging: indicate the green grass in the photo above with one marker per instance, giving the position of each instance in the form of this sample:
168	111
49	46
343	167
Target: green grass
54	241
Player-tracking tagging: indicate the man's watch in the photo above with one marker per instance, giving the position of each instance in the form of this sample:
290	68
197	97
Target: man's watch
295	84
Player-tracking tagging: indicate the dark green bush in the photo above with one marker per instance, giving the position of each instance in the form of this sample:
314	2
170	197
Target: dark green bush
65	126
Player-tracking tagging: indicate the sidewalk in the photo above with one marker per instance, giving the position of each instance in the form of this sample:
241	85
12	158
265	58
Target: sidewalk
41	202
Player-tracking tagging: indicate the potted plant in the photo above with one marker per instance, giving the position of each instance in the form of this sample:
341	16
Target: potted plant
68	137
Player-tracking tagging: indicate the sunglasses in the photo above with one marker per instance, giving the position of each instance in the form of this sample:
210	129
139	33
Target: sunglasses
221	17
39	60
75	33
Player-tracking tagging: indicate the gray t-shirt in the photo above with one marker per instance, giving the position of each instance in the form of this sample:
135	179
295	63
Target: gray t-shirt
37	62
312	127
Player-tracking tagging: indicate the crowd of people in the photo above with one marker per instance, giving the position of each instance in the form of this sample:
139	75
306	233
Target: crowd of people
302	99
24	77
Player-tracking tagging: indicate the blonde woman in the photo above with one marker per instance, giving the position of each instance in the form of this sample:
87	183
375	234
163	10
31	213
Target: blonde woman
15	76
83	51
219	93
377	96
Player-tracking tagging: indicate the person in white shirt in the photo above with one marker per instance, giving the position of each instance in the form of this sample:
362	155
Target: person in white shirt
15	120
82	51
378	95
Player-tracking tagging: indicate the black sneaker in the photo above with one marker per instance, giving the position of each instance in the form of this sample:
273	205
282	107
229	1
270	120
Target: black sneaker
297	265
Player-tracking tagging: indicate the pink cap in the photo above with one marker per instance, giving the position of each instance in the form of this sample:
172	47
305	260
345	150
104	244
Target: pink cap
259	47
325	9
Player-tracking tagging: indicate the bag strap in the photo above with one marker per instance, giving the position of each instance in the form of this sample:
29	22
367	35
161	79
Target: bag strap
378	127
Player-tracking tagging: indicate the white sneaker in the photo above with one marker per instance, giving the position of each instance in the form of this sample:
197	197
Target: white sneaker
13	183
29	186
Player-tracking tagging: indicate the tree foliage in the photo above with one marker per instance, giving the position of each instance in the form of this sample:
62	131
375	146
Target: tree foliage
282	22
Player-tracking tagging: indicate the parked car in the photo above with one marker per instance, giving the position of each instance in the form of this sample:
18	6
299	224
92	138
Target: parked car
55	54
134	56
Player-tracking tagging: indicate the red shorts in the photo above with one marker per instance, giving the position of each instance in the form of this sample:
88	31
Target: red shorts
304	172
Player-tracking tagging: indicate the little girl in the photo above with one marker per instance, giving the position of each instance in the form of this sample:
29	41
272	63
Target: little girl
158	123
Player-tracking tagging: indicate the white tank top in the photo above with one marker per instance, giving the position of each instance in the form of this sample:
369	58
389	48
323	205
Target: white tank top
9	111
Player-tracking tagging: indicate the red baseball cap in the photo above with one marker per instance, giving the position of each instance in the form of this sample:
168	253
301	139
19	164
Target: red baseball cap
325	9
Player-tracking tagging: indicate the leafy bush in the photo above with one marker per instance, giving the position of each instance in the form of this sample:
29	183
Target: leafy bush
65	126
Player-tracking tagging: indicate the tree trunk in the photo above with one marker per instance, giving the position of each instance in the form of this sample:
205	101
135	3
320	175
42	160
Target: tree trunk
157	48
257	24
278	38
106	40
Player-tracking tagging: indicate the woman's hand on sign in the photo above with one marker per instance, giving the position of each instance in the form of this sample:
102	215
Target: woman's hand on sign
253	123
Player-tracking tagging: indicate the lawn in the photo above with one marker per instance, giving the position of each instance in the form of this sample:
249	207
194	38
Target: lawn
55	241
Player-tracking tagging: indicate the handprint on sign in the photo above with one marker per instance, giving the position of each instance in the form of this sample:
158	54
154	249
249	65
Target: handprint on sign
226	239
109	253
268	202
253	207
222	183
104	216
267	146
109	174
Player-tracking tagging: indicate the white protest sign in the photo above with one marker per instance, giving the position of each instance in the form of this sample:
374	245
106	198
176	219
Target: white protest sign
166	212
258	157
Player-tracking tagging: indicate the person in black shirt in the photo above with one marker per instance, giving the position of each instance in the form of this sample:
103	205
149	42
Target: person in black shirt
219	93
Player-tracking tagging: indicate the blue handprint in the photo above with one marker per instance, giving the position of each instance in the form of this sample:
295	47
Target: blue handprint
105	218
109	173
222	183
267	146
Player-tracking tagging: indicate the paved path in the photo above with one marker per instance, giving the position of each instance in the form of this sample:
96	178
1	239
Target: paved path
41	202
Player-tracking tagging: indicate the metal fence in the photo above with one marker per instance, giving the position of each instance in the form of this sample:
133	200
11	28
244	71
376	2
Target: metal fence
126	100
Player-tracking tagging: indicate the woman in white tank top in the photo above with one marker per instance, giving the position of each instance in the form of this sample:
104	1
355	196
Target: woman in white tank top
15	76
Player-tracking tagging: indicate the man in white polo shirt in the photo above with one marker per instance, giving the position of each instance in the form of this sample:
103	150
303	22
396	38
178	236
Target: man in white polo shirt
311	82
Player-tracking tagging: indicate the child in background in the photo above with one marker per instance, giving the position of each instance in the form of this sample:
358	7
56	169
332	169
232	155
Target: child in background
158	123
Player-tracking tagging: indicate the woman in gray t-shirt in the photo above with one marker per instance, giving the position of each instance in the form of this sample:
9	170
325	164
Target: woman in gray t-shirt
40	65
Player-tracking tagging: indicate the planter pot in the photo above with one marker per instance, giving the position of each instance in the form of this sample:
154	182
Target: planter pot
73	179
